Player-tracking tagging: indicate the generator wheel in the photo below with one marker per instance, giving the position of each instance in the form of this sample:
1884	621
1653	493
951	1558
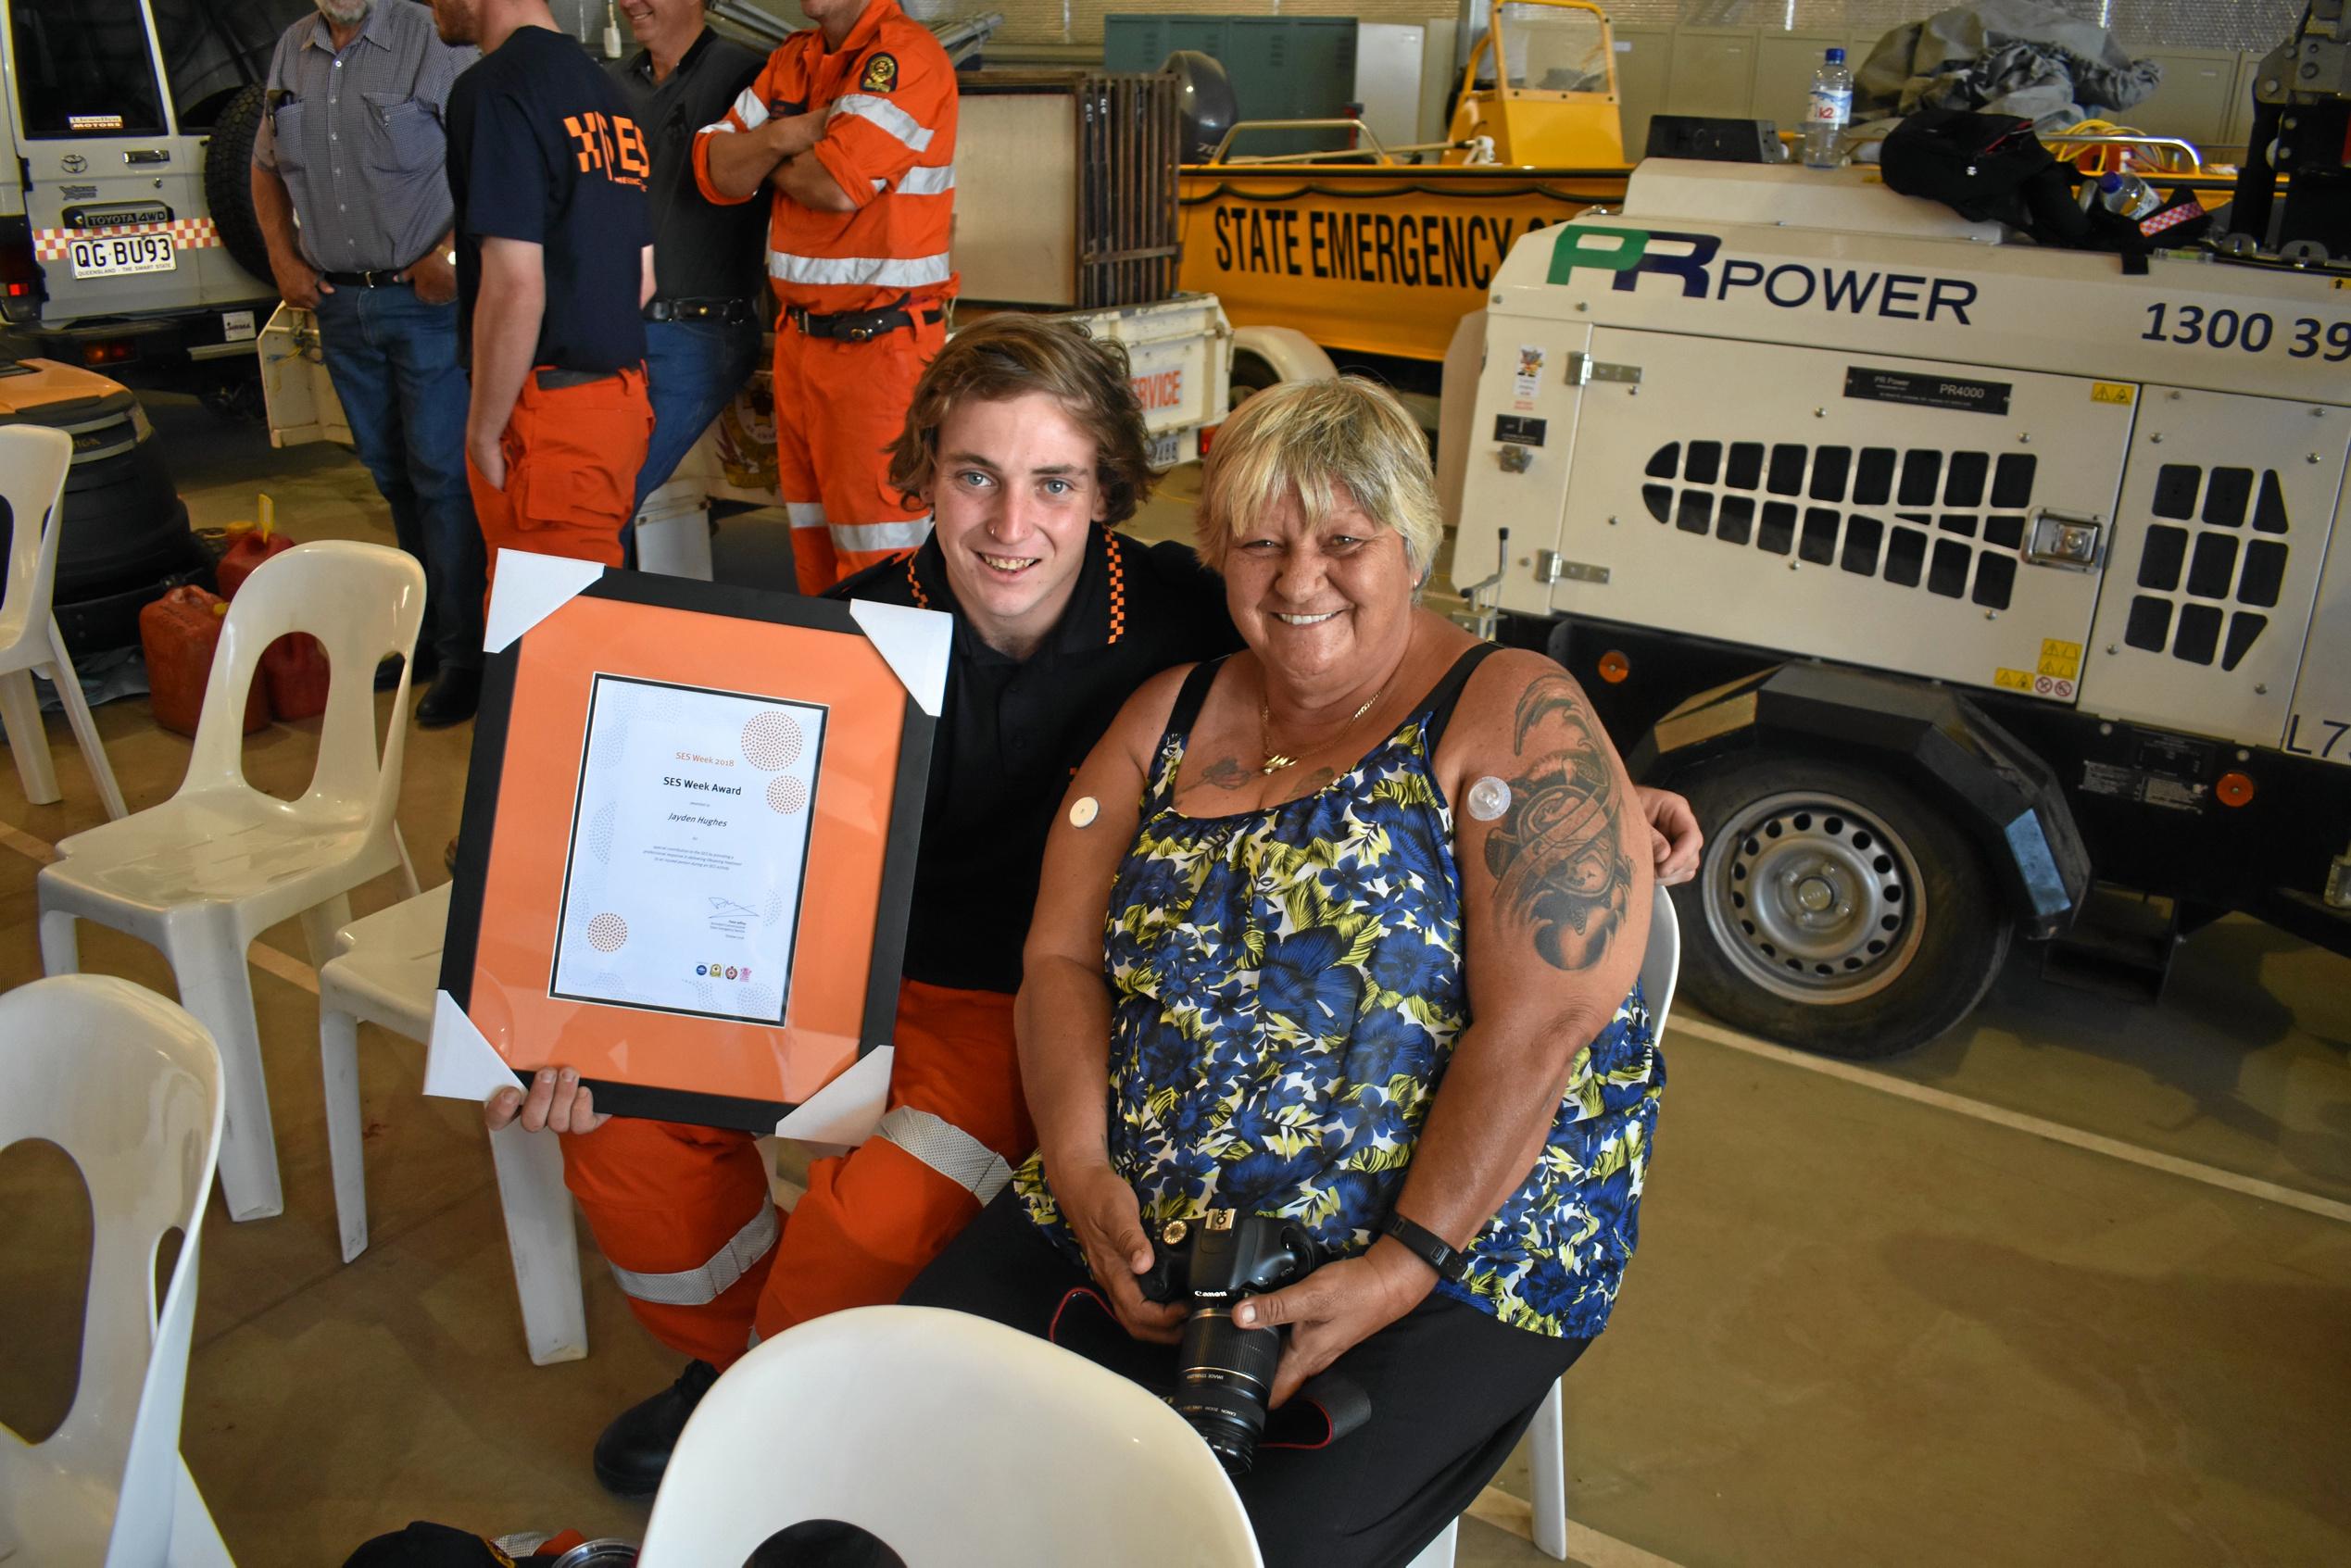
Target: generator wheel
228	181
1835	910
1252	374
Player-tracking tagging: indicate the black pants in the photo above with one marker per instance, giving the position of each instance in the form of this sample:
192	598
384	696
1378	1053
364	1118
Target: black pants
1452	1390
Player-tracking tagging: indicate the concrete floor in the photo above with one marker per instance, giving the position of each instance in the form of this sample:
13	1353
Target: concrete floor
1862	1328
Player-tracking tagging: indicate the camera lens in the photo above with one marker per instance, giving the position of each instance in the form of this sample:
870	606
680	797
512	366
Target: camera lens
1223	1374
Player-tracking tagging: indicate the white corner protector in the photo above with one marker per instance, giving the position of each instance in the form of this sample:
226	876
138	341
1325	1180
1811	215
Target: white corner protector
843	1114
915	641
458	1063
528	589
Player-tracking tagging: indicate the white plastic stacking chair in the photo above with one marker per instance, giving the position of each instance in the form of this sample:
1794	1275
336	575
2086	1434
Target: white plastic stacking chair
33	462
1547	1462
959	1442
204	873
130	1087
385	971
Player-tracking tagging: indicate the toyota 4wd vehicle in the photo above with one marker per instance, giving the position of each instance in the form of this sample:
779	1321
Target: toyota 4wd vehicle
127	237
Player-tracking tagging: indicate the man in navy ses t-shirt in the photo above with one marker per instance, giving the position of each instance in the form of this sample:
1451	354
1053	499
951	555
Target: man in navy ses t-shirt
555	263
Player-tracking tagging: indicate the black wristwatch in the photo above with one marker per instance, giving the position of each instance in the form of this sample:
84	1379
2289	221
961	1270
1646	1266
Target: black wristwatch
1426	1245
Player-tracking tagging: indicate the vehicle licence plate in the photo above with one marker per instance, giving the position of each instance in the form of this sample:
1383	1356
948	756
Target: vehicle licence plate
1168	448
119	255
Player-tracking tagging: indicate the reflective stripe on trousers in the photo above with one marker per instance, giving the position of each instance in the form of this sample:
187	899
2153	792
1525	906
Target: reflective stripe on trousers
701	1286
947	1149
855	537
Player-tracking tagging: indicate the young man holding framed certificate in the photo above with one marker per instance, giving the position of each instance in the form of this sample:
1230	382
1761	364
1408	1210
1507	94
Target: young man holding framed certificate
1026	441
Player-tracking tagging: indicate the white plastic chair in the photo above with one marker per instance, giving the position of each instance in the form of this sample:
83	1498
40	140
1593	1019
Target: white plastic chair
959	1442
204	873
1547	1464
130	1087
387	969
33	462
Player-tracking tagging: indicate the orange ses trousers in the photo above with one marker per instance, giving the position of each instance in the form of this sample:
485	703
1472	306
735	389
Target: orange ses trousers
838	409
684	1217
572	457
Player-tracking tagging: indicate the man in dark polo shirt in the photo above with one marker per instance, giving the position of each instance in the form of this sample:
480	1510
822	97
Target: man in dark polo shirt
352	144
1027	444
702	325
555	261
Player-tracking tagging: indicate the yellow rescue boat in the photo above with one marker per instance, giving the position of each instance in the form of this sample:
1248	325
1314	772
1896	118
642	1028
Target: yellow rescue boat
1378	250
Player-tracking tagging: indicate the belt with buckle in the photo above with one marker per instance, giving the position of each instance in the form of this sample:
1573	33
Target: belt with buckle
861	326
366	280
553	379
699	310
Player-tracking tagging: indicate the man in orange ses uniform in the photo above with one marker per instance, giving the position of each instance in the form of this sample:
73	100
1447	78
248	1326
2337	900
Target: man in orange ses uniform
853	125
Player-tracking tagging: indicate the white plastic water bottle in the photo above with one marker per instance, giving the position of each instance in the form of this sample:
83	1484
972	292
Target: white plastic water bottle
2128	194
1830	108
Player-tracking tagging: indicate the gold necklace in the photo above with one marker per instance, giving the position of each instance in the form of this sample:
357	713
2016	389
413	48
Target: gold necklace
1275	761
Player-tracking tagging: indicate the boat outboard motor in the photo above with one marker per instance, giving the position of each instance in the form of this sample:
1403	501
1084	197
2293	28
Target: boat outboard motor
1204	98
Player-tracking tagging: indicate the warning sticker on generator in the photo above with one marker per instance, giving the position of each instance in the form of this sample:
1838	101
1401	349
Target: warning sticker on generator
2057	688
2062	660
1927	391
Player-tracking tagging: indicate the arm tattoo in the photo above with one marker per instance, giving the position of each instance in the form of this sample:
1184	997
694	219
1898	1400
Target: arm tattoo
1557	854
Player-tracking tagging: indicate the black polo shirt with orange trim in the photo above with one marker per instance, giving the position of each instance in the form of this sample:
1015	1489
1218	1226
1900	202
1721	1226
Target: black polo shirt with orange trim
1012	732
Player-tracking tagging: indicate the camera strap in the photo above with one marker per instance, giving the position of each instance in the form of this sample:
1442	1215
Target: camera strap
1325	1410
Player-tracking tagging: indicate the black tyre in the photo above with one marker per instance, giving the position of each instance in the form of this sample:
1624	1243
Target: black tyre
228	181
1835	910
1252	373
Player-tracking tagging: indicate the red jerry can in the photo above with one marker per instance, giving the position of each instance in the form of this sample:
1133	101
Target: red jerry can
294	668
179	634
247	551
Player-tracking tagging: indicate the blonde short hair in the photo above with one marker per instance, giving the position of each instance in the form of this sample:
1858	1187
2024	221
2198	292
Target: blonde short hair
1347	440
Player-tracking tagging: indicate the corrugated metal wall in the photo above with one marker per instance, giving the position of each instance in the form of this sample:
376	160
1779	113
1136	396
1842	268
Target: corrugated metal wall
2173	24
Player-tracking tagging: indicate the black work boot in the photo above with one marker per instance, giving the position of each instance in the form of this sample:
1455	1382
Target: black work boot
635	1448
455	693
387	672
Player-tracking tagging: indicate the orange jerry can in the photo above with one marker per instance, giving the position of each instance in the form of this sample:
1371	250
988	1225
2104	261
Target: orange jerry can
179	634
294	668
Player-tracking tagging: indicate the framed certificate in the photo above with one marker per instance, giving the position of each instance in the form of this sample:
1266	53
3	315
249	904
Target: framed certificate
689	838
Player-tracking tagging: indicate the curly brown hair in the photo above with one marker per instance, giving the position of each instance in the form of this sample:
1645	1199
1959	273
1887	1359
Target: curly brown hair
1007	355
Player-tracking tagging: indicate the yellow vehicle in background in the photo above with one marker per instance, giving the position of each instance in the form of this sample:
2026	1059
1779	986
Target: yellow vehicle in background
1379	251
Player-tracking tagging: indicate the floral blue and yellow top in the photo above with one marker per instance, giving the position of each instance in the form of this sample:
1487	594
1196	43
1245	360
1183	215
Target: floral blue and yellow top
1286	986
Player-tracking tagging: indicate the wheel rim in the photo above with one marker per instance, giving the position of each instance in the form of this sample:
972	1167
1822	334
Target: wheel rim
1814	898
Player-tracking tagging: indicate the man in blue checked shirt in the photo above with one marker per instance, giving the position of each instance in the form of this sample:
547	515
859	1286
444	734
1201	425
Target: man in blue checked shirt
352	146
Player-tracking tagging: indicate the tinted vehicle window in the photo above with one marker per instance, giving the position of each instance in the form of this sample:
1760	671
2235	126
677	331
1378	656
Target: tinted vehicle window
213	49
82	68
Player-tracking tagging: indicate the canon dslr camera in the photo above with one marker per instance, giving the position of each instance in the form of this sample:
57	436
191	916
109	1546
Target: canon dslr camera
1224	1372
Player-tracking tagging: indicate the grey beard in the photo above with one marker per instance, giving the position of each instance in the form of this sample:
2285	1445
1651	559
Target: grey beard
345	13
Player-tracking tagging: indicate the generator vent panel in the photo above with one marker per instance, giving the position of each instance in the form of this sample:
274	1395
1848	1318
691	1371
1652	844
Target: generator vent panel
1740	492
2226	509
2210	557
1948	523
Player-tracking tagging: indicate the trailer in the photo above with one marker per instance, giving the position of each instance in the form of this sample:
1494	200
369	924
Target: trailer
1971	589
